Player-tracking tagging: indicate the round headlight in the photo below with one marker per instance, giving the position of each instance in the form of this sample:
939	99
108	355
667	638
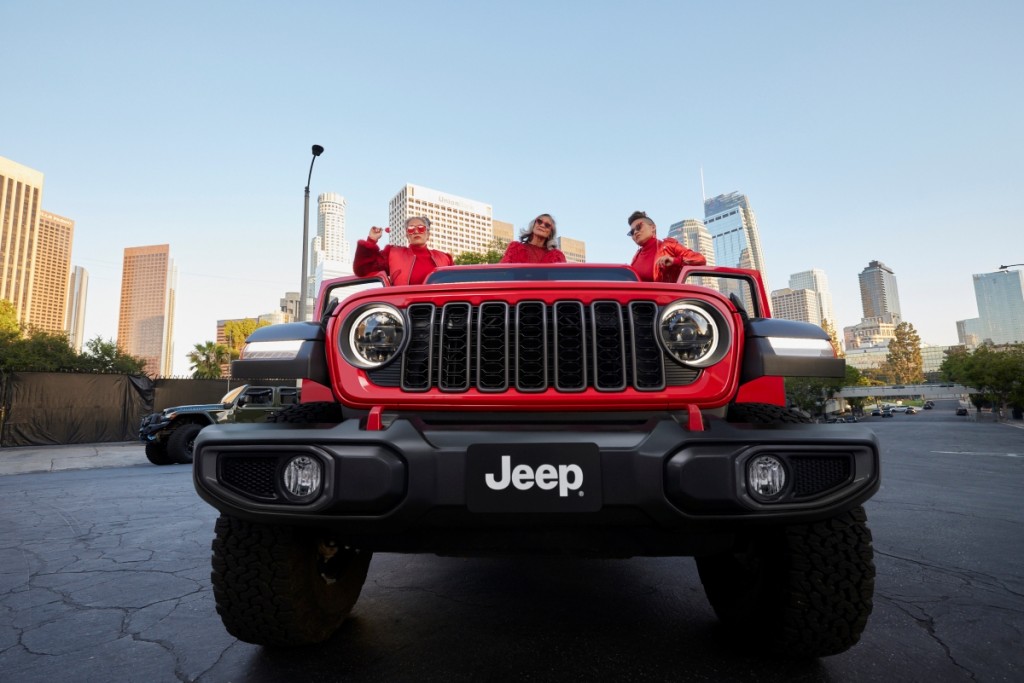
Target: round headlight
689	334
375	336
302	478
766	475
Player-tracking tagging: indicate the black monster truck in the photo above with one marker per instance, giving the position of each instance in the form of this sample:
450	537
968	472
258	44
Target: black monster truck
170	434
544	410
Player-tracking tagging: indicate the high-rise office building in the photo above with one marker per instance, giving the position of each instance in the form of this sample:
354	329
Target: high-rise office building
21	196
52	266
289	305
879	296
503	232
733	228
693	234
329	255
795	304
457	224
1000	298
78	291
816	281
575	250
970	332
145	327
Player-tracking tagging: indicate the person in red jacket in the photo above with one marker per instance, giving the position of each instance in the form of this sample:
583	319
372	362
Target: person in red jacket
536	244
658	260
403	265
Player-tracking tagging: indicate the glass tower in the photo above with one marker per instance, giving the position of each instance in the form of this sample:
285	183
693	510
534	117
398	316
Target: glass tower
1000	297
737	242
879	296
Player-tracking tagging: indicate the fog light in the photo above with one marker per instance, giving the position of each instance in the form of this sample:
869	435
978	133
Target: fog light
766	476
302	477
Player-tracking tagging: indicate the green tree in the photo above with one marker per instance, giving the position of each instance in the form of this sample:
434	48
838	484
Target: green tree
105	356
832	336
37	351
904	361
206	359
854	378
495	250
236	332
9	326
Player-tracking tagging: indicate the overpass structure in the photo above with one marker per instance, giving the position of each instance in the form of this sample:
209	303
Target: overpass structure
925	391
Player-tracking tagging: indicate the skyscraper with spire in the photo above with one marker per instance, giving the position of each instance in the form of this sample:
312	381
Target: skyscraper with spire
733	227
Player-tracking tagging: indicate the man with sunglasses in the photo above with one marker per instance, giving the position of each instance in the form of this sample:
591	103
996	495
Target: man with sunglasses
536	244
658	260
403	265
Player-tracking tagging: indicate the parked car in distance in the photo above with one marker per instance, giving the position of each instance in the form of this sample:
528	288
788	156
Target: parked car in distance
886	413
911	410
961	411
876	413
170	435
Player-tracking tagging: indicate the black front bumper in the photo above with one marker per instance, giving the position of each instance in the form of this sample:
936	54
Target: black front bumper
661	489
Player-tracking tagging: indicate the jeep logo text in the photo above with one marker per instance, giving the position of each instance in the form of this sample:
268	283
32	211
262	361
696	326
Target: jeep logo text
547	477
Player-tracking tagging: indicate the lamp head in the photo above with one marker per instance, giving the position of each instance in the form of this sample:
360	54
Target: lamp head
317	150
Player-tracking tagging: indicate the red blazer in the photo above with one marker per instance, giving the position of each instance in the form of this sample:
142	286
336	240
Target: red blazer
520	252
679	254
397	262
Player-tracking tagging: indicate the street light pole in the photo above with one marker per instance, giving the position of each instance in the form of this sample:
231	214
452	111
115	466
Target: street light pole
1010	266
317	151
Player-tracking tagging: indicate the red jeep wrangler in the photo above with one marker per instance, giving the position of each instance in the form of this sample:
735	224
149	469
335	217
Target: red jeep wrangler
546	410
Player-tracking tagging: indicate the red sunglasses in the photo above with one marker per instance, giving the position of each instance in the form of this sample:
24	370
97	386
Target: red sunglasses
416	229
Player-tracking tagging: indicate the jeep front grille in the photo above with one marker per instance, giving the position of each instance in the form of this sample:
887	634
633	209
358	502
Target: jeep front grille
531	347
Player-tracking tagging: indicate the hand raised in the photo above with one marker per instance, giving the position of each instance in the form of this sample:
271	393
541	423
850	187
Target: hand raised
375	233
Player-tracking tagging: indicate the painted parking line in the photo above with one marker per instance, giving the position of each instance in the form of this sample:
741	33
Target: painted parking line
1003	455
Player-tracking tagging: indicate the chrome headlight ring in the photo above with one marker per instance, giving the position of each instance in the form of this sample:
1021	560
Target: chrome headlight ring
373	336
693	333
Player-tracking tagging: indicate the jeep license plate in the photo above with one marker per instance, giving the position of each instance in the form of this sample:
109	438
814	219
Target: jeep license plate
553	477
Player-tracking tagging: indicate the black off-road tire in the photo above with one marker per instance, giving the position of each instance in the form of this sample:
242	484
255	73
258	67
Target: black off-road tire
273	586
181	443
156	453
320	412
803	590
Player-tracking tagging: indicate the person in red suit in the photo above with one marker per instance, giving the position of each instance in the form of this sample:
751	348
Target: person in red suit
658	260
403	265
536	244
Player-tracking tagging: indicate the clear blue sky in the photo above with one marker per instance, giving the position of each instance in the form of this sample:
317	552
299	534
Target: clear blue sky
859	131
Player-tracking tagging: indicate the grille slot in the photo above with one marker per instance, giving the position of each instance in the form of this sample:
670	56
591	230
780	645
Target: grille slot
817	474
253	476
531	347
455	320
417	360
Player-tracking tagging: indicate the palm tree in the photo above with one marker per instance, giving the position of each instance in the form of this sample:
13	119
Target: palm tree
206	359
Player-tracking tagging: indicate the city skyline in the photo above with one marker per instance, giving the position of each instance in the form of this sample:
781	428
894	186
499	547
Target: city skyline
906	153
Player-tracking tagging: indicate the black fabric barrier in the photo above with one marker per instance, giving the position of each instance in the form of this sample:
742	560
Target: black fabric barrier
185	392
51	408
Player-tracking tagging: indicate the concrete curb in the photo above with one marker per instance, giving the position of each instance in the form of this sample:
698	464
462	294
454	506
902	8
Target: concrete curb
31	459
